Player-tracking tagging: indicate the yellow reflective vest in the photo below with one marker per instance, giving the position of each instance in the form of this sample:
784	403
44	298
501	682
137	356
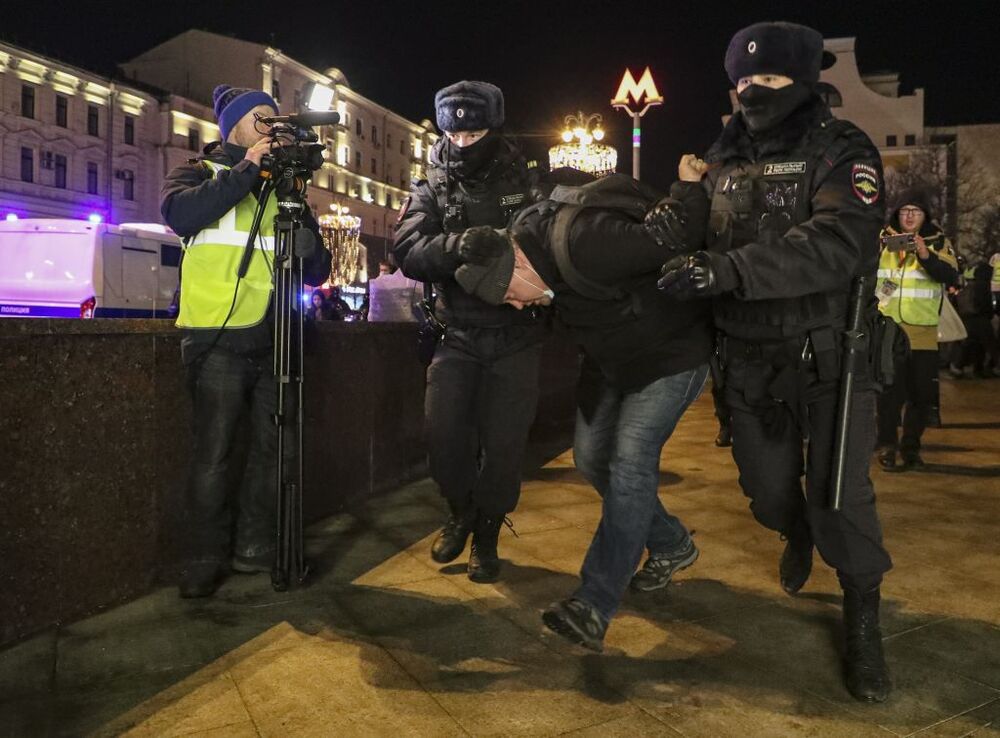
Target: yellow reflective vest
907	293
211	260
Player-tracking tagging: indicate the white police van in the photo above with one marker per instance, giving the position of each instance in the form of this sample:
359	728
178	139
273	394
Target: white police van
53	268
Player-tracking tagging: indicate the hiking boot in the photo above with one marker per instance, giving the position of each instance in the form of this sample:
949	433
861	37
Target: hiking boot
866	673
796	560
200	579
661	567
450	542
577	622
484	563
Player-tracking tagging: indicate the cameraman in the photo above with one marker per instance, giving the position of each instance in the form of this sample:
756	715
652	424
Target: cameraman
911	282
226	323
482	385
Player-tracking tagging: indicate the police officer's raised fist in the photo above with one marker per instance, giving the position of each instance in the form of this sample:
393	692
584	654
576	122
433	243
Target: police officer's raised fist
665	222
700	274
479	244
691	168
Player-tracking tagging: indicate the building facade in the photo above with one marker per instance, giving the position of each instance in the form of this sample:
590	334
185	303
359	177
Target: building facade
372	154
74	144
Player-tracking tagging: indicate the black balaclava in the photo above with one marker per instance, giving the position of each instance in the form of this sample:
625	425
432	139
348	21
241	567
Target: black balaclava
471	159
764	108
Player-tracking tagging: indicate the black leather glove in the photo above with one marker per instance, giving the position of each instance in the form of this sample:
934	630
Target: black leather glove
479	244
699	275
665	222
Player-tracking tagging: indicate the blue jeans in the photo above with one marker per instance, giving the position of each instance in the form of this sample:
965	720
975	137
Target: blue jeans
618	451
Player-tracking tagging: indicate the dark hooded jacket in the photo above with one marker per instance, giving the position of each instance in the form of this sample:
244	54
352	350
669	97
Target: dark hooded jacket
487	182
645	336
190	199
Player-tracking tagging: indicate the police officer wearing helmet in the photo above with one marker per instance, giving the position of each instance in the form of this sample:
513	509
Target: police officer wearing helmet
482	384
226	342
796	209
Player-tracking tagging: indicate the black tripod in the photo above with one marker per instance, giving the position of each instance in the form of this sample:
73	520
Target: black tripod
292	243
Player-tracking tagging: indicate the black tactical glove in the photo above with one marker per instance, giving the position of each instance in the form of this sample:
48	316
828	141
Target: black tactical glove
479	244
665	222
699	275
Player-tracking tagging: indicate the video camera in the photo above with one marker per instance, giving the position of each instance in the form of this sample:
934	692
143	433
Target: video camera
291	163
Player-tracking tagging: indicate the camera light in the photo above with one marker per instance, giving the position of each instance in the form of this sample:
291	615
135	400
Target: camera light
11	217
95	218
320	98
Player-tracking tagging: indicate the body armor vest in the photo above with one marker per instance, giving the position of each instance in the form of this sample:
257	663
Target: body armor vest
759	202
464	204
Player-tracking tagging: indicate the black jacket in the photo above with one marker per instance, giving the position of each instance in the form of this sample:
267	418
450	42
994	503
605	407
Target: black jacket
192	198
632	348
795	268
428	251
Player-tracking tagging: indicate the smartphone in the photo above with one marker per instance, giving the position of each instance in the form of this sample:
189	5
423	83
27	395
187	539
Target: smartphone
900	242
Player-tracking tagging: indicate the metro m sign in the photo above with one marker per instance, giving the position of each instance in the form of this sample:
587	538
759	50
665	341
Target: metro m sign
643	93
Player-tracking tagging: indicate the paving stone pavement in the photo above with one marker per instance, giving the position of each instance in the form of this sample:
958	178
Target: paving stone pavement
383	641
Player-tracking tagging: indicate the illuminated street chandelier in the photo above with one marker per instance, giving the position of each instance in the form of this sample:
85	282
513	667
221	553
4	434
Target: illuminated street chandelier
580	149
341	233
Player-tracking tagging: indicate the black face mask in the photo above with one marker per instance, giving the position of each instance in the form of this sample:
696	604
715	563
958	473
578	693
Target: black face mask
474	157
764	108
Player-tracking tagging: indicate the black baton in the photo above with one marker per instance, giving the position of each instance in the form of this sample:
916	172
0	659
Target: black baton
853	343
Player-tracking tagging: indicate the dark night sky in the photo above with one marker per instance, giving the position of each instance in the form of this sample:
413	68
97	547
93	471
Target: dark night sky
553	57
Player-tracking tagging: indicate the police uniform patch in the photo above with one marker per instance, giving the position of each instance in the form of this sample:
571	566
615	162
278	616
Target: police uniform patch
864	182
785	167
507	201
402	209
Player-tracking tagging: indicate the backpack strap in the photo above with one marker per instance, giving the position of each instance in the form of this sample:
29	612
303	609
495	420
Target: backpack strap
559	241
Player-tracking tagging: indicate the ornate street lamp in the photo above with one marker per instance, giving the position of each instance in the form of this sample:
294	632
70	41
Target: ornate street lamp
580	149
341	233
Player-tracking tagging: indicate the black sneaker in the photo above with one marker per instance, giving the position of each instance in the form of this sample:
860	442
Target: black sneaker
661	567
577	622
887	458
725	437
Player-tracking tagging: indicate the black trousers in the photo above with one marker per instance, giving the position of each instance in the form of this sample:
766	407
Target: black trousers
915	390
981	349
229	390
482	393
772	459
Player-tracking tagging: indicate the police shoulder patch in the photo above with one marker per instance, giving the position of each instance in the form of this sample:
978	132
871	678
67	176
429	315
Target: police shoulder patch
865	183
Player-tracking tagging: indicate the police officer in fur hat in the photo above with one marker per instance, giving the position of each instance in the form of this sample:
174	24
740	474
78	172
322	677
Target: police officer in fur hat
482	384
796	209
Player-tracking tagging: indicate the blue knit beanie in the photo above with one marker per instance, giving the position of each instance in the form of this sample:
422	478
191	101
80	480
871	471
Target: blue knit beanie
232	103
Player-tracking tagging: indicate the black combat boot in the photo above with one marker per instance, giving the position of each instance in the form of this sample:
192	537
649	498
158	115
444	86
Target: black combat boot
866	672
451	540
484	563
725	437
201	578
797	559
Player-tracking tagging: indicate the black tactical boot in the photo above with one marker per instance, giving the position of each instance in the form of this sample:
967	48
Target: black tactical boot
451	540
797	559
484	563
725	437
887	458
200	579
867	674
